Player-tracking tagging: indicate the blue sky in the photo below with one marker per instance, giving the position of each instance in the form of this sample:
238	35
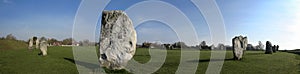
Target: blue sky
260	20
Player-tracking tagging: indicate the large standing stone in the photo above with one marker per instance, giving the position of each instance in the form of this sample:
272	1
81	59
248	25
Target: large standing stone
117	40
239	44
269	49
30	43
43	47
37	43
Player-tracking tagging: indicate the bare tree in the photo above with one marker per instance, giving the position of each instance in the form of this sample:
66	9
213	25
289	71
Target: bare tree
260	45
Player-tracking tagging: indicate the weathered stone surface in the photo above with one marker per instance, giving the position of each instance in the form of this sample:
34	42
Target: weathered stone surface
117	40
30	43
269	49
239	45
37	43
43	47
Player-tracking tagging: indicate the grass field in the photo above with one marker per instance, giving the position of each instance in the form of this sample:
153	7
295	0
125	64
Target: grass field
20	61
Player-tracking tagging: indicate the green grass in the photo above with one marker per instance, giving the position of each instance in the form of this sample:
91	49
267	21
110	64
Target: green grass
253	62
60	61
12	45
23	61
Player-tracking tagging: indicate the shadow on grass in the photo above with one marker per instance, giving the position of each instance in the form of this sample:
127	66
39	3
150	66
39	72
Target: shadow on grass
211	60
122	71
141	55
85	64
255	53
96	67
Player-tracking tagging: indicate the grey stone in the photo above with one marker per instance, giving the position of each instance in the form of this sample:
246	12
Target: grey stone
239	45
168	46
277	47
117	40
274	49
269	49
30	43
43	47
37	43
221	47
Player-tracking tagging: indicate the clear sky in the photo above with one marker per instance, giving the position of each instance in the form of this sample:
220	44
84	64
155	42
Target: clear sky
259	20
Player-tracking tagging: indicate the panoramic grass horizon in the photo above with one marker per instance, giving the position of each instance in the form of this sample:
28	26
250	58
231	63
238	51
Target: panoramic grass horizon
149	36
61	60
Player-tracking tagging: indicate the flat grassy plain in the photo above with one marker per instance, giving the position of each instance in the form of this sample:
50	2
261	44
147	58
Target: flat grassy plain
22	61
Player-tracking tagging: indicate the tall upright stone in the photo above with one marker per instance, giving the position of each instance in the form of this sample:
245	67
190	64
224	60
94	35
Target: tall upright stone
117	40
30	43
274	48
239	45
269	49
277	48
43	47
37	43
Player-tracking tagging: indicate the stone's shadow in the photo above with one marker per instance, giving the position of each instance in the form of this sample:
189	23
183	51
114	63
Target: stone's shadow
122	71
254	53
84	64
97	68
141	55
211	60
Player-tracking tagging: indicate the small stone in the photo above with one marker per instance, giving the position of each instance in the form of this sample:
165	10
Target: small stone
269	49
37	43
277	47
30	44
274	49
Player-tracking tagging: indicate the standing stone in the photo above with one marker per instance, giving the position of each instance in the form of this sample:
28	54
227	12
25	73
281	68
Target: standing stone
277	48
43	47
168	46
239	44
221	47
268	48
30	43
37	43
117	40
274	49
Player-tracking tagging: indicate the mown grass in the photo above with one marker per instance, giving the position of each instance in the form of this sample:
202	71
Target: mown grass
253	62
12	44
59	61
23	61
